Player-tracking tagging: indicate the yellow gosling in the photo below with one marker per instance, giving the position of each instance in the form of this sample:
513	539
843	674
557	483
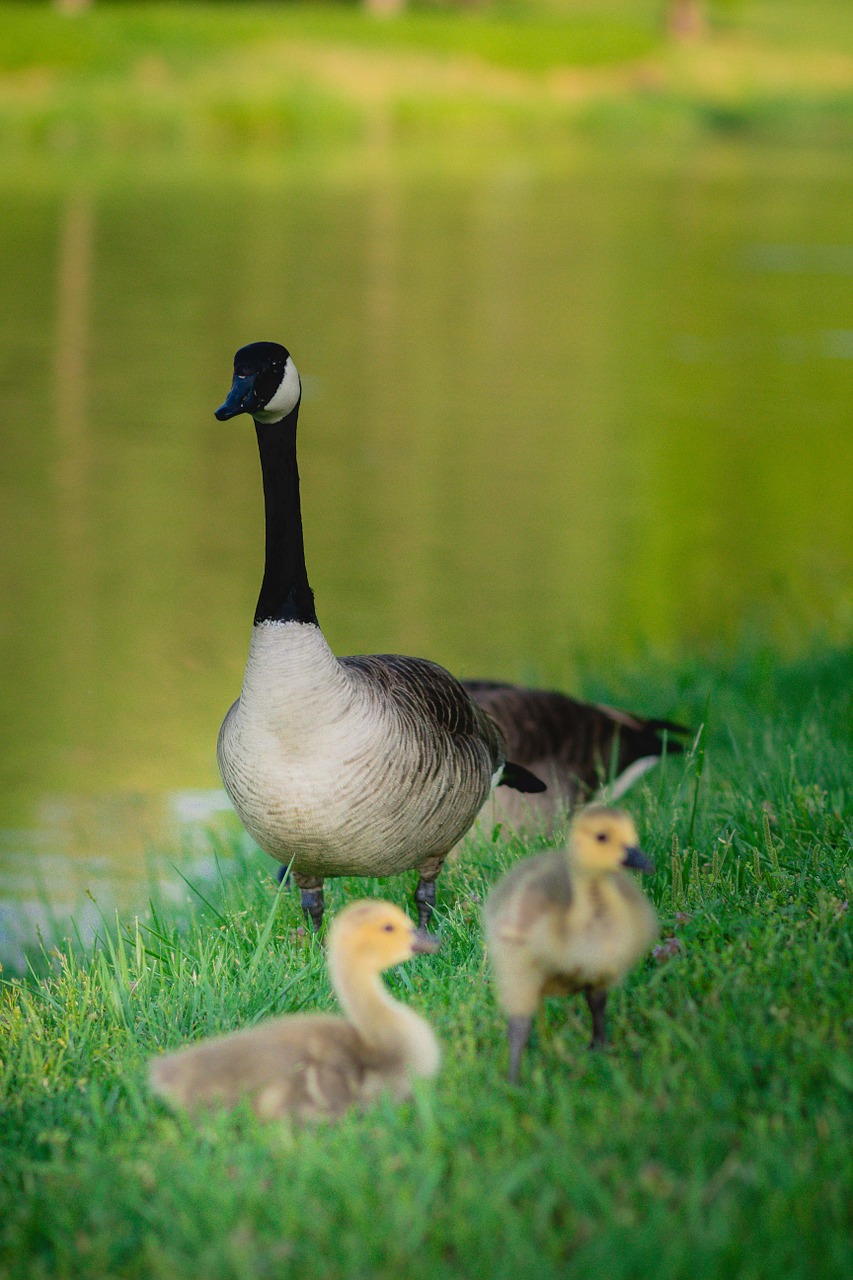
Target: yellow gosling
570	920
308	1066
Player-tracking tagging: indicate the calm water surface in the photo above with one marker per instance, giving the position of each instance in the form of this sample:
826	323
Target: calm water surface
551	417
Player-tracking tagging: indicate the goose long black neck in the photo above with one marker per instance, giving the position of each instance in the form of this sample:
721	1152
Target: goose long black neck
285	593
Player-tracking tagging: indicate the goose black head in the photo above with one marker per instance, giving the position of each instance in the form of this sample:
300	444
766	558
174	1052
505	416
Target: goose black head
266	384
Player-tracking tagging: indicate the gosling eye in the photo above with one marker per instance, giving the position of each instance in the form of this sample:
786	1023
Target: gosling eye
601	836
389	928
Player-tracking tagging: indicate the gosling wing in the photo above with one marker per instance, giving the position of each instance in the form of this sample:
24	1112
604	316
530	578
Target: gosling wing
300	1066
532	889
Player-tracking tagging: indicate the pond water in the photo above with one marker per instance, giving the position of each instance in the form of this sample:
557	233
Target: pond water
554	414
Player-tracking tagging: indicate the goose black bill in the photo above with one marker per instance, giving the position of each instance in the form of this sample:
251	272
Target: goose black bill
242	398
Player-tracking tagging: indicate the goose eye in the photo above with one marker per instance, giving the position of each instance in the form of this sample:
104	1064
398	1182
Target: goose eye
601	836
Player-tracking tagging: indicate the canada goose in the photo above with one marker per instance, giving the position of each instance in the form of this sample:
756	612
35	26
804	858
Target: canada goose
572	746
312	1065
569	920
364	766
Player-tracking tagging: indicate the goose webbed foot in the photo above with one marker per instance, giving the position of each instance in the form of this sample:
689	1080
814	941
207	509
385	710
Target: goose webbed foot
518	1031
425	901
597	1002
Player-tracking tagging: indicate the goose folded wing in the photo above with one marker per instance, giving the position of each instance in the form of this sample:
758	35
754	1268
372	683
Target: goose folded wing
429	700
579	737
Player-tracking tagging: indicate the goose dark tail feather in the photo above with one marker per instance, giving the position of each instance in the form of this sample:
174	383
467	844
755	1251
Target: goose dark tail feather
520	779
648	738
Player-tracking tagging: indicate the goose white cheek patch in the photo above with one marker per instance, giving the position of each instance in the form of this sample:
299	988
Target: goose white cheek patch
285	399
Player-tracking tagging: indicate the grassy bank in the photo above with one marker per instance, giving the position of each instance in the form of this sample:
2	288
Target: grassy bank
196	76
711	1139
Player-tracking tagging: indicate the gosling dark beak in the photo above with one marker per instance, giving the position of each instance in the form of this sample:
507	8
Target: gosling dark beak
634	857
424	943
240	399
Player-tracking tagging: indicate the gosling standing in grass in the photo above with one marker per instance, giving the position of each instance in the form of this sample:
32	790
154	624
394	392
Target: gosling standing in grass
567	921
308	1066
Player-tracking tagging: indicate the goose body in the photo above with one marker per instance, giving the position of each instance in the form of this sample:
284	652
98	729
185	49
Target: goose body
309	1066
366	765
570	920
311	755
572	746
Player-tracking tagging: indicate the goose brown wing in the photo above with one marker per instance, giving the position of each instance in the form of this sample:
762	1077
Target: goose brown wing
580	737
430	701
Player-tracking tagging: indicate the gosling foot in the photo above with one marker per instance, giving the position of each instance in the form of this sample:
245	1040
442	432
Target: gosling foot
425	902
518	1031
597	1002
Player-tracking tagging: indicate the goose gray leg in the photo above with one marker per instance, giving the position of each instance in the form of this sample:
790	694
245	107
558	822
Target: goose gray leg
311	889
597	1001
425	892
518	1031
425	901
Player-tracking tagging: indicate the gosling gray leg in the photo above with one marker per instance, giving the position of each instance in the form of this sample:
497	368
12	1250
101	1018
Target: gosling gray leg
313	905
518	1031
597	1001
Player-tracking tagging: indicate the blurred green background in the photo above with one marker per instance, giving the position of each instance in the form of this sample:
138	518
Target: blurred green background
569	284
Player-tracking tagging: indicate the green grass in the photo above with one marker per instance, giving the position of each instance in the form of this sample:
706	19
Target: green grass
208	75
191	76
111	38
711	1139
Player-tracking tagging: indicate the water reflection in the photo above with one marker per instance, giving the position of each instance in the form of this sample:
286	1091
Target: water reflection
549	418
810	259
83	857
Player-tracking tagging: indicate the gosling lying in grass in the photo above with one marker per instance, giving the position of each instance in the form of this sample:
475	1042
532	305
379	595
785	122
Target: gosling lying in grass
570	920
312	1065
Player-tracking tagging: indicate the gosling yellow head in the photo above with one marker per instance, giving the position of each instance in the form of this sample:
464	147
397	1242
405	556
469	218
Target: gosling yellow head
377	935
603	840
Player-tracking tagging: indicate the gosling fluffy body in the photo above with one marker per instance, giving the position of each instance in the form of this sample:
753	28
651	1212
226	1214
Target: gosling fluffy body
569	920
309	1066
